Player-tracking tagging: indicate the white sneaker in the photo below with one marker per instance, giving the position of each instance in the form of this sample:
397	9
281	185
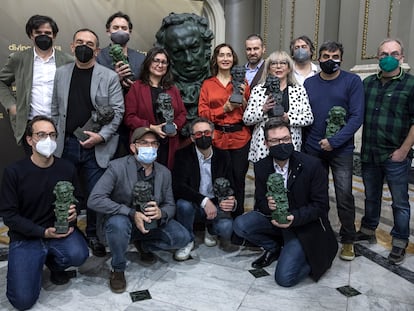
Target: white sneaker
209	240
184	253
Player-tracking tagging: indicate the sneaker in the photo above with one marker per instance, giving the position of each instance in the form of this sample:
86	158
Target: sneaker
184	253
145	256
59	277
361	236
117	282
347	252
209	240
228	247
397	255
98	249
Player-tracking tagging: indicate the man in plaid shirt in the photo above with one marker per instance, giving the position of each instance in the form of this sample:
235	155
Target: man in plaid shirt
388	135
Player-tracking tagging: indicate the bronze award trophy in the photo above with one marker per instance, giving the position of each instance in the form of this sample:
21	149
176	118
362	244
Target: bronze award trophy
335	121
272	86
167	111
141	195
276	189
237	79
117	54
101	116
222	191
64	199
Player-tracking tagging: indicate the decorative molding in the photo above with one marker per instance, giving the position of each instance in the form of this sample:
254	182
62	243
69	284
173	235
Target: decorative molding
292	20
316	30
364	55
214	12
266	22
282	23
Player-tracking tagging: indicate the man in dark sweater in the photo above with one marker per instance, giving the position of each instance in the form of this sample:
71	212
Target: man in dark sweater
27	209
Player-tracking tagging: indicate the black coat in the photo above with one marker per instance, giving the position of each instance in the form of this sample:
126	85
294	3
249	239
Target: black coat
186	173
309	204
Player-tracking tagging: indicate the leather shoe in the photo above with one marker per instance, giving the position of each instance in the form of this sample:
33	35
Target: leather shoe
145	256
266	259
60	277
98	249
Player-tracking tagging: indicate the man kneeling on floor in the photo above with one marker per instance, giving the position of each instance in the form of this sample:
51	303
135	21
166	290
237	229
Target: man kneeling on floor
196	170
119	222
309	244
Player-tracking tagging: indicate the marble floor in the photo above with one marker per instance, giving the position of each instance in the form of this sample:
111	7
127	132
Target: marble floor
216	280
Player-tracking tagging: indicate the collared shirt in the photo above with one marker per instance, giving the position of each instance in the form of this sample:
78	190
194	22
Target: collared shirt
42	85
206	183
250	73
389	115
300	78
282	171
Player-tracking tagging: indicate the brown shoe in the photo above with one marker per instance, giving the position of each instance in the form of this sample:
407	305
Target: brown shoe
117	281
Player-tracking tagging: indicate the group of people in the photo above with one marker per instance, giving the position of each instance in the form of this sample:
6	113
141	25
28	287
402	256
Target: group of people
185	177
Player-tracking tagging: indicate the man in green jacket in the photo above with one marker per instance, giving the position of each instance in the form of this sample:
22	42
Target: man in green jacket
33	72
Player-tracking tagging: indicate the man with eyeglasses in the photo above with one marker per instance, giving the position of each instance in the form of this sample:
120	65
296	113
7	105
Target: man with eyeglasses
80	88
306	244
196	168
387	138
27	208
32	71
331	87
120	222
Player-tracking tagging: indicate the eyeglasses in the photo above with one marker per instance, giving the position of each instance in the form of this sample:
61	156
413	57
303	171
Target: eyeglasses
277	141
160	62
393	54
199	134
44	135
282	63
147	143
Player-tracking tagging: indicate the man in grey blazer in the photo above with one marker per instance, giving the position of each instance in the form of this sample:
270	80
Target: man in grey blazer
32	71
119	222
80	90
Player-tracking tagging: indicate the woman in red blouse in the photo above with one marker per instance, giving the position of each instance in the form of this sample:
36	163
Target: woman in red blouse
141	107
230	133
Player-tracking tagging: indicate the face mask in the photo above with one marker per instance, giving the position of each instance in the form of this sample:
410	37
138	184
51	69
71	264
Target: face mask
120	37
301	55
83	53
44	42
46	147
389	63
146	155
281	152
330	66
204	142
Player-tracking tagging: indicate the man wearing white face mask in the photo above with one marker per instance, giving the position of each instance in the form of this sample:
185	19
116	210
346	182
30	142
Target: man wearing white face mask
301	50
118	220
27	208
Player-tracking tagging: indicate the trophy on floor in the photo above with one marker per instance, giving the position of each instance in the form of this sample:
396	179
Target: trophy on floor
63	191
222	191
335	121
272	86
101	116
117	53
238	74
276	189
141	195
166	109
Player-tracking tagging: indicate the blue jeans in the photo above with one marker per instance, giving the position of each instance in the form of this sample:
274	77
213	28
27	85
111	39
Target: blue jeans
257	229
120	230
342	170
85	162
396	174
26	260
292	266
188	212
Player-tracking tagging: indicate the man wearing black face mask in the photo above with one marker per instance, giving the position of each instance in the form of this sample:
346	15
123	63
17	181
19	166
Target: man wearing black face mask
196	168
80	88
33	71
306	244
336	87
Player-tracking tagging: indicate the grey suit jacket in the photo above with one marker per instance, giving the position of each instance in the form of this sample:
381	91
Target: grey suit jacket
19	70
112	194
105	89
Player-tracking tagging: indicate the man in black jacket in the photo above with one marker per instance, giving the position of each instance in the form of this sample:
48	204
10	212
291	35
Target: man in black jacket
309	244
196	169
